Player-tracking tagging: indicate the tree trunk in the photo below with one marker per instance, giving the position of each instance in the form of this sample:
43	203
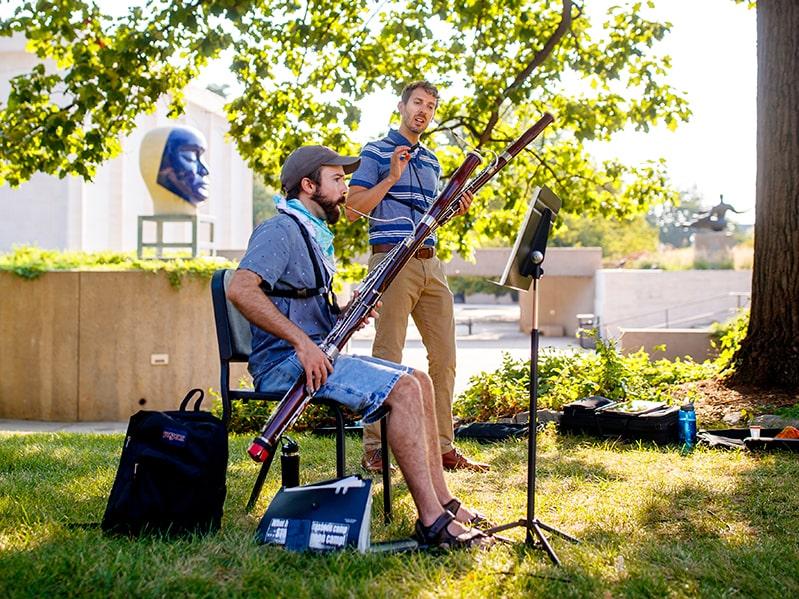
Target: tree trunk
769	356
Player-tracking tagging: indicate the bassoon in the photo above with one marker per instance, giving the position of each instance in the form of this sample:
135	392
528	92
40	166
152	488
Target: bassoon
371	289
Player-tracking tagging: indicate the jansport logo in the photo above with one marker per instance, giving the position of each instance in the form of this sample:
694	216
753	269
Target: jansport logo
174	437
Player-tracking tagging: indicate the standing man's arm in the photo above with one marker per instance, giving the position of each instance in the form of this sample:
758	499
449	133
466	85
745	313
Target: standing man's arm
365	199
245	293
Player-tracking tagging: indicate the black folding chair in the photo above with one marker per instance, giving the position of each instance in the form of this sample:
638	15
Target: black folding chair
235	344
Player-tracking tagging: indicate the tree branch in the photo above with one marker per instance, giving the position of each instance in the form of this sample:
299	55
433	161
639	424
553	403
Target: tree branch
456	122
544	164
521	77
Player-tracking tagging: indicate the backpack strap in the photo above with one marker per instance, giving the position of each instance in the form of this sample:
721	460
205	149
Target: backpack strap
305	292
187	399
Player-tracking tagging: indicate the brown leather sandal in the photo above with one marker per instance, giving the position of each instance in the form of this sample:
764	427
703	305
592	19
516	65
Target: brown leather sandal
437	535
478	520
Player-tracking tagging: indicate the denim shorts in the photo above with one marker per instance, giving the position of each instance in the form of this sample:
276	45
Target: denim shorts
361	383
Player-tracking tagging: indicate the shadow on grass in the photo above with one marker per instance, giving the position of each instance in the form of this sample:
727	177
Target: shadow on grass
613	443
736	539
87	563
650	524
45	553
689	534
749	530
511	456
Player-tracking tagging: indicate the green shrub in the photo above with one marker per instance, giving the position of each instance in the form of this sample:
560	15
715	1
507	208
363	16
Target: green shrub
568	376
248	417
727	264
788	411
465	285
31	262
726	338
495	394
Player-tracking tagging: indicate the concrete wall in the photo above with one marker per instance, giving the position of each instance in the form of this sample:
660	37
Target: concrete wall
679	343
78	345
566	289
560	299
650	298
490	262
72	214
39	350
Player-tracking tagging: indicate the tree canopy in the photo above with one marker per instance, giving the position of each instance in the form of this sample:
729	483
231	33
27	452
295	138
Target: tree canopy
304	65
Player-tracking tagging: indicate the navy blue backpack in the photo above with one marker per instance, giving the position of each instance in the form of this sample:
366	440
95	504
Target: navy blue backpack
171	476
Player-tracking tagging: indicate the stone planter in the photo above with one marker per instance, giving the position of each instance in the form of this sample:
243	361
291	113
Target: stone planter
99	346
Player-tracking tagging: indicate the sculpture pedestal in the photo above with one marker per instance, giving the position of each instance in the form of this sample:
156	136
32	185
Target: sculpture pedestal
195	245
714	248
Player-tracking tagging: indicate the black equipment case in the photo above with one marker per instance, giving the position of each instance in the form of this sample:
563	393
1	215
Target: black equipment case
579	417
596	415
658	424
740	438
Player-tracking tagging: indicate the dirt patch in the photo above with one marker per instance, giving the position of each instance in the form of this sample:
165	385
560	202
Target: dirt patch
714	400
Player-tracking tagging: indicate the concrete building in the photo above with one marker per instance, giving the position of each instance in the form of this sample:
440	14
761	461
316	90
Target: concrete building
566	289
629	298
73	214
641	308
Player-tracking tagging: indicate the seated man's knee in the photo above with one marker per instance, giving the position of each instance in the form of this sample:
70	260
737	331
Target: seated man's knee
407	391
425	383
422	378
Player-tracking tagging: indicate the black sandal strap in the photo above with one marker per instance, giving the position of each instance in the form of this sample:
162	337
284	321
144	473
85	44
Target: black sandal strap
438	535
452	506
478	520
440	524
431	535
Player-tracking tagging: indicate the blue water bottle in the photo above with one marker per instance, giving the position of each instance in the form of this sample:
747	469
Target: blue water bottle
687	425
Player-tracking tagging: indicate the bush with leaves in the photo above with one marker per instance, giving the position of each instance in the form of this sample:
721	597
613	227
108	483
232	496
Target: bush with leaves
726	338
30	262
568	376
474	284
248	417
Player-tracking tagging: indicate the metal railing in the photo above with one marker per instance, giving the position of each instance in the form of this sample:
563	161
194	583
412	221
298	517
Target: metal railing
674	315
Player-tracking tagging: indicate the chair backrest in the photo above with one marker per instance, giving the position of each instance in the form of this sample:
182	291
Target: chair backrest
234	337
233	331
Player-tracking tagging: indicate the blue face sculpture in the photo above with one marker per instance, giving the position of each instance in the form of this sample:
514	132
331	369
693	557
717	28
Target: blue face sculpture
182	171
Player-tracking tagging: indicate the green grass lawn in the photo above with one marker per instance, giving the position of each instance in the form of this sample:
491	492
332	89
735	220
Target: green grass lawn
652	523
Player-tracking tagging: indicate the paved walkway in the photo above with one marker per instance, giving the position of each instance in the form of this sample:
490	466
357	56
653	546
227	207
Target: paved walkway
35	426
494	330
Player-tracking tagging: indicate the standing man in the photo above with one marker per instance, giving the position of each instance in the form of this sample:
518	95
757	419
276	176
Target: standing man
277	287
395	184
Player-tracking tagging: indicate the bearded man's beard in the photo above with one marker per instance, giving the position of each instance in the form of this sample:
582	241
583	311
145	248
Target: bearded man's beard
331	207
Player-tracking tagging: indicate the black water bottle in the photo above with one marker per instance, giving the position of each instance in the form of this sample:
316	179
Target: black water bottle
290	463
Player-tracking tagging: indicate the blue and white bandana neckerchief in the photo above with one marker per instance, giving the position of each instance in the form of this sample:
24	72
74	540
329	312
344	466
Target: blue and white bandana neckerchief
317	228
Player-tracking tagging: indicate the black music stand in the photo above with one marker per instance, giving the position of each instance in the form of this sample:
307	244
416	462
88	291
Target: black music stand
523	269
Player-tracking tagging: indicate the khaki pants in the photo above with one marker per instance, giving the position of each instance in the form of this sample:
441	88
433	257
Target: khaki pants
420	290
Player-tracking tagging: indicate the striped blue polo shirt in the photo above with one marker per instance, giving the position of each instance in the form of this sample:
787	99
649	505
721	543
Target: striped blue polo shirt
409	198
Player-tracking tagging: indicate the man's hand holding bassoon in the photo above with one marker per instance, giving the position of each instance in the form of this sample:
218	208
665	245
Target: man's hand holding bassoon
464	202
314	362
367	318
